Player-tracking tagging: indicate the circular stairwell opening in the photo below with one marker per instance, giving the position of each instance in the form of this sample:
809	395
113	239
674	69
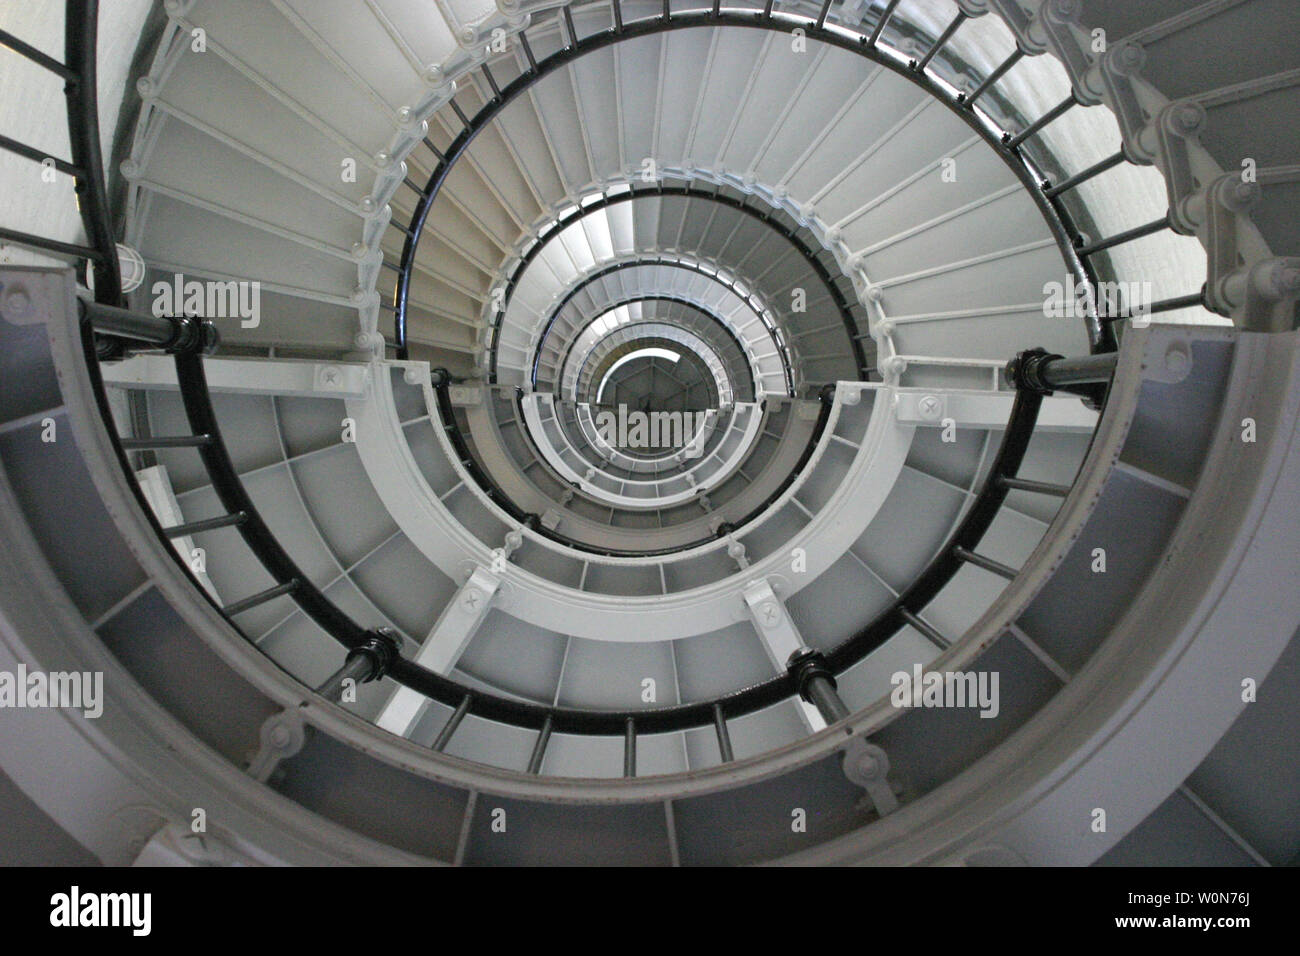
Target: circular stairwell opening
811	281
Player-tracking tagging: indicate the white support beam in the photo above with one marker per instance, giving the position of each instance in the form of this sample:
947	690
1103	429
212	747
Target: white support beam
442	648
780	637
248	376
933	407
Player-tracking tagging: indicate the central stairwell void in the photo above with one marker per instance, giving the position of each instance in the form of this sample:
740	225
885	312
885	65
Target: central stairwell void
652	432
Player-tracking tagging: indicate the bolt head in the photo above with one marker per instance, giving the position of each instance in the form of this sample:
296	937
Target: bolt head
1066	9
867	767
1128	57
17	303
929	407
1190	117
1177	361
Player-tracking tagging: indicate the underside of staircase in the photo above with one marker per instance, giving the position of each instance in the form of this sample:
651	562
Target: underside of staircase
325	350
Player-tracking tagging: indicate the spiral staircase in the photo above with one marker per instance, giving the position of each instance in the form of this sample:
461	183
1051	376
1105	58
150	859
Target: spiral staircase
369	582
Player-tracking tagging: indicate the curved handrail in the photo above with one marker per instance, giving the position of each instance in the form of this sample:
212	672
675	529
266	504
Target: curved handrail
370	657
79	74
1006	146
616	267
903	611
442	391
768	217
290	580
597	359
366	662
744	387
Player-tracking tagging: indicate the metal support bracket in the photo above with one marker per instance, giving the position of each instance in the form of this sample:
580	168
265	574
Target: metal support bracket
867	766
442	648
282	735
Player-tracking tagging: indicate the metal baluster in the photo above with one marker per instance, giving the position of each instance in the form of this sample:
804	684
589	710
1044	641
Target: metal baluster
1055	113
927	630
367	661
629	748
821	15
178	441
884	19
261	597
207	524
1130	235
988	564
944	37
1110	162
539	748
993	77
724	738
444	736
1038	487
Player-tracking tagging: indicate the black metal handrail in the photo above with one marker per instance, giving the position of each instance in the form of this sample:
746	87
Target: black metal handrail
1035	373
904	611
769	217
373	653
234	497
79	75
493	492
643	298
1007	146
649	331
610	269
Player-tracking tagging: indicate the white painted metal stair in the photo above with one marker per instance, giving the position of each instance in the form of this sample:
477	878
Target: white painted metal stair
937	280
